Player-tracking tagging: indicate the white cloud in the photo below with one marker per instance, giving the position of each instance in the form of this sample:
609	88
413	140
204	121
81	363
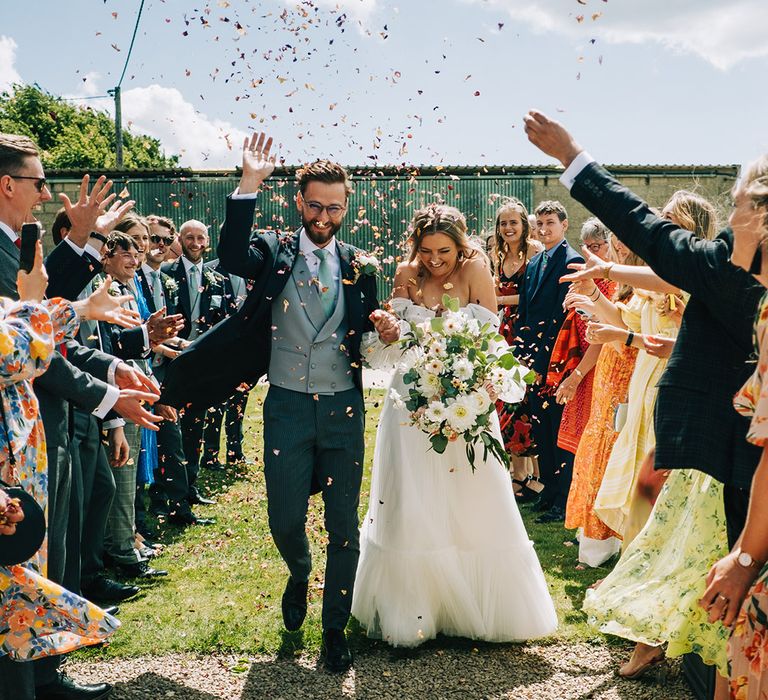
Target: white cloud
202	142
162	112
722	33
8	73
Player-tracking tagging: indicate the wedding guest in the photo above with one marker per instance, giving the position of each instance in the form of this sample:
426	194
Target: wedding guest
694	423
651	596
736	592
613	371
510	250
570	374
38	618
204	301
81	377
120	260
169	496
232	412
540	316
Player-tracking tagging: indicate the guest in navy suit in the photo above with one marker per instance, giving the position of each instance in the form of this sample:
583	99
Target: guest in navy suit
540	315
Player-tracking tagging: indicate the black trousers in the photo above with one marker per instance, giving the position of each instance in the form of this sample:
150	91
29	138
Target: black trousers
192	424
232	412
555	464
320	436
93	488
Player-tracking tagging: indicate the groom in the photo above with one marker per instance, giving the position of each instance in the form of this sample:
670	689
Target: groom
302	323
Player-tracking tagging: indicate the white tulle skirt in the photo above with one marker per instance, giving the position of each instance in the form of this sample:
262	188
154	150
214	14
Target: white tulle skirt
444	550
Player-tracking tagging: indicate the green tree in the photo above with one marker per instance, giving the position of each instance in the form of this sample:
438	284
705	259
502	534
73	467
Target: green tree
74	137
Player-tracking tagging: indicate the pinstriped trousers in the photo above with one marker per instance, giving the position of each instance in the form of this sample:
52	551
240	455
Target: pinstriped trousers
306	434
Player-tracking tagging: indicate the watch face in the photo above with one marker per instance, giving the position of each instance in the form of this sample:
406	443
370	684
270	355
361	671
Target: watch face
745	559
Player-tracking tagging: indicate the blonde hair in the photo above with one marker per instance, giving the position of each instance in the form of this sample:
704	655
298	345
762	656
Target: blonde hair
754	183
693	213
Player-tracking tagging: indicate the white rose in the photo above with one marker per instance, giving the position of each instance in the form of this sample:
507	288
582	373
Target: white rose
481	400
473	326
463	369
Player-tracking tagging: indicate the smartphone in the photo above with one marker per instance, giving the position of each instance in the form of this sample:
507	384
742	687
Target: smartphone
30	235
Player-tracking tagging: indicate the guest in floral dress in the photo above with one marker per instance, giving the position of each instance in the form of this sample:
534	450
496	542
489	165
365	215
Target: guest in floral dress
728	596
37	617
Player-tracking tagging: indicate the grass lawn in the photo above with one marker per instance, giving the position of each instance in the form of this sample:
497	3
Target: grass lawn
225	582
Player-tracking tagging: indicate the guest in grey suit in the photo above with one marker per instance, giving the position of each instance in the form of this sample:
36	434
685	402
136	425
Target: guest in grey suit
304	319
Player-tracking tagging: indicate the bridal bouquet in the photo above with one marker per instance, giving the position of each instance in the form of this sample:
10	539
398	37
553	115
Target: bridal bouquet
456	368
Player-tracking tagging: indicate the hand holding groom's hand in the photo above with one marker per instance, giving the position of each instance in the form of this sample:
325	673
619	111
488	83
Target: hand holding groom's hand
386	326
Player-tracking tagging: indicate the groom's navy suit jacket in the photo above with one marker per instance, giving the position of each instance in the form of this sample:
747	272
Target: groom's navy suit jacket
540	313
695	423
238	349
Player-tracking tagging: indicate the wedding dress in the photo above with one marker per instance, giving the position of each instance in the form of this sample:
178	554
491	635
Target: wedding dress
443	549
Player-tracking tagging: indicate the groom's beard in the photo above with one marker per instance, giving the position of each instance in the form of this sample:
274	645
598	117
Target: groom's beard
320	236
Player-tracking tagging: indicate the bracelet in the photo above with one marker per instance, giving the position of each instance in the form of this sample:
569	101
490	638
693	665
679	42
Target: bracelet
578	373
98	236
608	269
630	338
597	294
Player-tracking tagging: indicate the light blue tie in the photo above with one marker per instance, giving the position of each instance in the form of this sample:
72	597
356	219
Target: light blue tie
542	268
157	290
327	290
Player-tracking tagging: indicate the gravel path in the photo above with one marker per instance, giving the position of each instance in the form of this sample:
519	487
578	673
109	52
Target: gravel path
554	672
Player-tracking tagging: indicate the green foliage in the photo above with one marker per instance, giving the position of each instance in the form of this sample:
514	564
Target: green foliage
74	137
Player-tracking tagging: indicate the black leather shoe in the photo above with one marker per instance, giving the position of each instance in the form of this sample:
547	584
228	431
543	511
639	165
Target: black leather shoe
187	517
554	515
214	466
64	688
141	569
104	590
542	505
198	500
335	652
294	604
113	610
159	509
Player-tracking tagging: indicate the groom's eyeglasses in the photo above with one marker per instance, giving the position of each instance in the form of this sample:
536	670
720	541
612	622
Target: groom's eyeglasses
40	182
333	210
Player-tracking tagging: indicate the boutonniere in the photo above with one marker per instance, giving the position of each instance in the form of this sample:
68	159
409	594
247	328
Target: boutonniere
209	277
364	265
171	286
114	289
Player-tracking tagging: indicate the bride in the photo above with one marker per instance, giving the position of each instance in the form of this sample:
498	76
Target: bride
443	550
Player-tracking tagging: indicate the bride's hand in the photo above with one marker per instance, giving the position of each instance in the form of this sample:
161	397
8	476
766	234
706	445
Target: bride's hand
386	326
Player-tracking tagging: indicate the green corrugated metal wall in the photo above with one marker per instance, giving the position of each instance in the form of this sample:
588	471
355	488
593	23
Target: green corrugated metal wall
379	211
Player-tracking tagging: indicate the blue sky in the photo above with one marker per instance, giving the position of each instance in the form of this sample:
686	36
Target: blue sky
412	81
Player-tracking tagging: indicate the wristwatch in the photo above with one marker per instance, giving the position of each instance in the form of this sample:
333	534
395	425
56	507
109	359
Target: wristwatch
746	560
98	236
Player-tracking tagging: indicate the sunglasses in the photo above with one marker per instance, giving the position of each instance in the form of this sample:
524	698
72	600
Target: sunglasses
165	240
40	182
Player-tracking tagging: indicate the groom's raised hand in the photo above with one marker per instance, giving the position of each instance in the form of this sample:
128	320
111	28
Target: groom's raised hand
258	164
551	137
386	326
